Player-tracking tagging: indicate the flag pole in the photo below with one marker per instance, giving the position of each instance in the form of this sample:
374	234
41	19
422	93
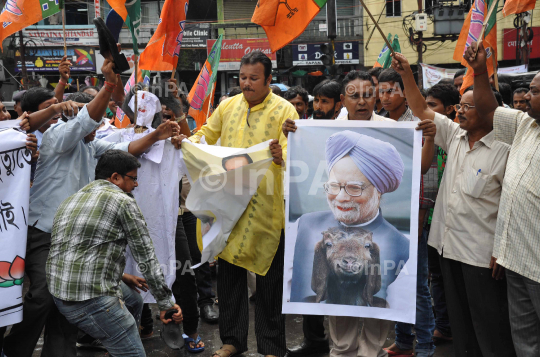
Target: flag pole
77	84
63	8
484	26
136	108
378	28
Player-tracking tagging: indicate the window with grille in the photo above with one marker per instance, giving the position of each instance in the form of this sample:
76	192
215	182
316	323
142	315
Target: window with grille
393	8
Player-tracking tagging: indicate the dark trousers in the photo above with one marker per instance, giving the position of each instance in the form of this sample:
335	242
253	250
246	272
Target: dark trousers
146	317
442	322
39	309
478	309
313	327
233	307
185	286
202	273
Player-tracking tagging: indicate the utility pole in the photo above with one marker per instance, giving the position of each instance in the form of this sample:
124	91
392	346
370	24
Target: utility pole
419	49
23	61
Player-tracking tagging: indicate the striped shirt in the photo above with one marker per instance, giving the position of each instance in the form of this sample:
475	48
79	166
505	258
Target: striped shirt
517	237
88	245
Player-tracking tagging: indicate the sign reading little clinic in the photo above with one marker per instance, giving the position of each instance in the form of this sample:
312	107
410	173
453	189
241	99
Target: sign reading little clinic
232	51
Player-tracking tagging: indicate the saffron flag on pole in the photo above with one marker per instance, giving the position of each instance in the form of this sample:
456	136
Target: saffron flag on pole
130	11
472	28
517	6
161	53
202	91
18	14
283	21
384	60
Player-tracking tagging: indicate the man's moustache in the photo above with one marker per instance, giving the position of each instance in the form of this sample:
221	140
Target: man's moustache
247	90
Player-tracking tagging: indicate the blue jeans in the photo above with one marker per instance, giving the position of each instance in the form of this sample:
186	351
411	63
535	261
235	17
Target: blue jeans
113	321
425	322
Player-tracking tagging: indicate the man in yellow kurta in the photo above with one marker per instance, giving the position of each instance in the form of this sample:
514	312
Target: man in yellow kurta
256	242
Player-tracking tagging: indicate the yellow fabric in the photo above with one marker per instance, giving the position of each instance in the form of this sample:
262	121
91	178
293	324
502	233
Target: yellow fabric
254	240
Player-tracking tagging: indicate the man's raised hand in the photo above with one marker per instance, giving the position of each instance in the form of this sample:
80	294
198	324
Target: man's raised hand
108	72
65	69
25	123
400	64
476	56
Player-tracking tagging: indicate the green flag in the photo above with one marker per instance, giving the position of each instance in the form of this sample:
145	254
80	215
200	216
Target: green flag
384	58
133	22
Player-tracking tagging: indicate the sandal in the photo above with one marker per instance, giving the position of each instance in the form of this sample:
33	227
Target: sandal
228	352
187	343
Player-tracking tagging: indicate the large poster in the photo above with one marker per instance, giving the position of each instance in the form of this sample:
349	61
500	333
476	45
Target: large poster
223	181
352	219
14	198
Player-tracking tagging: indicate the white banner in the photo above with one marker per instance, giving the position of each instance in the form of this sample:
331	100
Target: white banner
433	75
352	252
516	69
14	199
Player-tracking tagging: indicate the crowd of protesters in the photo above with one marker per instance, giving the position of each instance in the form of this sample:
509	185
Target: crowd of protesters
478	281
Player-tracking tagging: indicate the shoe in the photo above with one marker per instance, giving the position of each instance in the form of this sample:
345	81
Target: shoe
89	342
147	332
308	348
209	314
399	353
171	333
108	47
438	337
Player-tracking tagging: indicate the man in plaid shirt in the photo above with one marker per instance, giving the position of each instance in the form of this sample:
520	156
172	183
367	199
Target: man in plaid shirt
84	269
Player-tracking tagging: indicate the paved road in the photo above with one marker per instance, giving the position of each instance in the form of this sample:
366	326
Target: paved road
210	335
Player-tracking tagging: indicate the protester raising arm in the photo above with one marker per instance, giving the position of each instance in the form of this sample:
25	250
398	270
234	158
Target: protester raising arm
484	98
415	100
418	105
96	108
65	71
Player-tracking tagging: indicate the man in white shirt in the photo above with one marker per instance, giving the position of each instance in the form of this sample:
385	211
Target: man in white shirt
464	221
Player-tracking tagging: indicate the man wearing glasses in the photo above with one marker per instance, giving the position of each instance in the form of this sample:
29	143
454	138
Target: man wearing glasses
358	178
464	221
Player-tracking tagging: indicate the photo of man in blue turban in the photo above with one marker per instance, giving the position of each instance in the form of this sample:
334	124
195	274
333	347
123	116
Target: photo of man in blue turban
333	247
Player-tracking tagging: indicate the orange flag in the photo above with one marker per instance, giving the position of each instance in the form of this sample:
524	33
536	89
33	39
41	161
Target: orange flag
283	21
472	28
517	6
18	14
161	53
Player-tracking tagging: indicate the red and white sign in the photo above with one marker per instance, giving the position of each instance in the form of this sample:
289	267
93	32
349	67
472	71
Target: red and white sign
232	51
510	43
97	8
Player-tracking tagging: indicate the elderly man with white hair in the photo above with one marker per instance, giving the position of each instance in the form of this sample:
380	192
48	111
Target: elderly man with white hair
361	169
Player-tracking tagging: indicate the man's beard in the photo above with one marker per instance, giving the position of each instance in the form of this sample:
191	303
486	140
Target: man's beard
360	213
319	114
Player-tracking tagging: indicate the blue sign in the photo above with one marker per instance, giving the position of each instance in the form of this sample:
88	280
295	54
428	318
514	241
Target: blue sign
310	54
